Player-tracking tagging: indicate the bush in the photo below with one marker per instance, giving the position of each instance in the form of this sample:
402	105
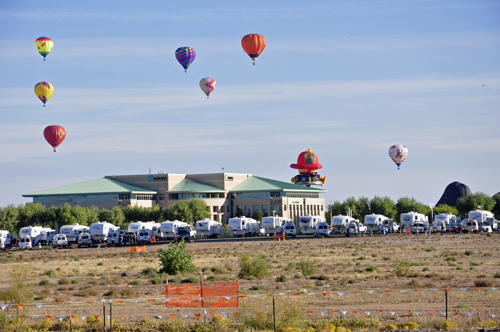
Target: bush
50	273
371	268
127	292
64	281
448	325
257	287
391	327
306	266
156	281
483	283
75	281
136	282
176	259
469	253
190	280
149	272
411	326
282	278
256	268
44	282
86	292
214	278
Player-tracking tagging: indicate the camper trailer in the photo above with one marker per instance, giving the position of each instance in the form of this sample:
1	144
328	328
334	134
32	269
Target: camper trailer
244	226
339	223
99	230
208	228
374	222
272	225
72	232
5	239
169	228
483	218
34	232
393	227
409	219
308	224
47	236
448	218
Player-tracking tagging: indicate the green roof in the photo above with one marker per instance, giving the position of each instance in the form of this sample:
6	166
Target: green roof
97	186
188	185
256	183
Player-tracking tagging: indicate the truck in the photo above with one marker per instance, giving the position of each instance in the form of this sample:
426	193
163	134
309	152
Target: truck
244	226
339	223
409	219
308	224
72	232
374	222
273	225
99	230
357	226
208	228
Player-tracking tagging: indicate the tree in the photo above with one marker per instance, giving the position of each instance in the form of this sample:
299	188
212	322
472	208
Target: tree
239	212
472	202
383	205
181	211
30	214
257	215
199	209
445	208
496	208
406	204
176	259
8	218
362	208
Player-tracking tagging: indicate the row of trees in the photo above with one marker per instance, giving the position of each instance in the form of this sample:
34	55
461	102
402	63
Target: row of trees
384	205
13	218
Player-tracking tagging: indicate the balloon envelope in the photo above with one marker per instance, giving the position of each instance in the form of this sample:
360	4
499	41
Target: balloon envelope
398	153
253	44
44	91
185	55
207	84
44	45
54	135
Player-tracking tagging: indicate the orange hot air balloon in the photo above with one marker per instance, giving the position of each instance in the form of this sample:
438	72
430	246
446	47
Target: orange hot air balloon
253	44
54	135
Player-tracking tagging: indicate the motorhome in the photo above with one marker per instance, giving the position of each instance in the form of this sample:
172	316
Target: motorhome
72	232
483	218
448	218
99	230
5	239
34	232
393	227
243	226
322	229
145	236
273	225
115	237
308	223
409	219
208	228
339	223
374	222
25	242
169	228
290	229
47	235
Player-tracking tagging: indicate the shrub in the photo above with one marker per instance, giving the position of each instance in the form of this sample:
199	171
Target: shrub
156	281
256	268
214	278
136	282
112	293
149	272
497	275
175	259
411	326
483	283
75	281
306	266
282	278
190	280
50	273
127	292
39	297
469	253
257	287
462	306
64	281
448	325
44	282
371	268
100	264
389	327
86	292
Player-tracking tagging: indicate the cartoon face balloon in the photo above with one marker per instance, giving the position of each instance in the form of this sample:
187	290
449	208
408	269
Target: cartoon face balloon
207	84
398	153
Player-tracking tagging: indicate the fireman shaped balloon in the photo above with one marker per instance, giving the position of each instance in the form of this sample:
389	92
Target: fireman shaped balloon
54	135
398	153
308	165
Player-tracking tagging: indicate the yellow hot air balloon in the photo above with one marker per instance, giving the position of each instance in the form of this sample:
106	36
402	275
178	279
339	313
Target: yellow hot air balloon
44	91
44	45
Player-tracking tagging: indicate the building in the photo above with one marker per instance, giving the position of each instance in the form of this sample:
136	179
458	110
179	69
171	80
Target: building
224	194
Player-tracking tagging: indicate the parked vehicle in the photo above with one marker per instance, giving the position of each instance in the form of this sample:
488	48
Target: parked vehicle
409	219
115	237
484	218
374	222
486	229
360	228
290	229
47	236
244	226
34	232
182	233
84	239
322	229
72	232
145	236
418	227
25	242
449	219
352	229
339	223
472	226
5	239
169	228
208	228
438	226
308	224
60	241
99	230
393	227
272	225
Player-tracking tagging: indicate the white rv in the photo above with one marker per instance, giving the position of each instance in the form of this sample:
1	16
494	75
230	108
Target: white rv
410	219
483	218
25	242
99	230
374	222
34	232
72	232
448	218
358	227
47	235
244	226
308	224
208	228
5	239
273	225
339	223
169	228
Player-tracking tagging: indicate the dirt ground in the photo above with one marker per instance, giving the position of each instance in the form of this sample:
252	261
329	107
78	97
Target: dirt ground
81	278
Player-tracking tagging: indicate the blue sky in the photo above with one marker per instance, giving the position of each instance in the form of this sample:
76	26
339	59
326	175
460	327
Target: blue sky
347	79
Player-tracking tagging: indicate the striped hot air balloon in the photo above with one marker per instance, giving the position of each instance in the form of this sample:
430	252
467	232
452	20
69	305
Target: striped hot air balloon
253	44
185	55
44	91
44	45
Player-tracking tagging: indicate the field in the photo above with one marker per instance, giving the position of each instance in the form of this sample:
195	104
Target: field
333	269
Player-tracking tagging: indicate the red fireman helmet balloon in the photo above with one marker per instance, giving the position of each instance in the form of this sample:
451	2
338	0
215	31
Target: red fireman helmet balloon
308	165
54	135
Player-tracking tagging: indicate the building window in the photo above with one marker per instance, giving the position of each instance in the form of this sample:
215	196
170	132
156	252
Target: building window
162	197
227	209
252	195
321	208
256	208
248	210
124	197
302	195
215	209
264	210
276	208
146	197
173	196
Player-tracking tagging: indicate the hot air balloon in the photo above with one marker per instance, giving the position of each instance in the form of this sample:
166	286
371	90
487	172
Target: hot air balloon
54	135
207	84
44	45
44	91
398	153
185	55
253	44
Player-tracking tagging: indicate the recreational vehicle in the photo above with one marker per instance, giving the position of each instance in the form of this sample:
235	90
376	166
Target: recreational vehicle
290	229
243	226
439	226
339	223
60	241
25	242
483	218
99	230
84	240
169	228
359	227
448	218
208	228
308	223
374	222
472	226
5	239
115	237
34	232
72	232
273	225
393	227
47	235
409	219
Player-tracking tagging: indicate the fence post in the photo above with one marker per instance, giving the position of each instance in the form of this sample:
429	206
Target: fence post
446	293
274	314
110	316
201	292
104	314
